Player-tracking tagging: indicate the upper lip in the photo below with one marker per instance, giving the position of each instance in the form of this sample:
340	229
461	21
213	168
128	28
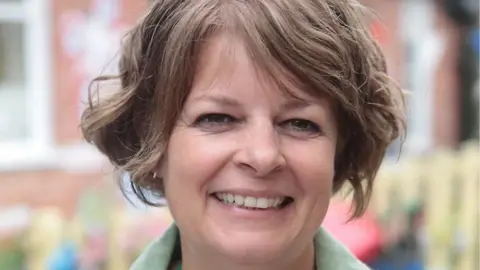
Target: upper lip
254	193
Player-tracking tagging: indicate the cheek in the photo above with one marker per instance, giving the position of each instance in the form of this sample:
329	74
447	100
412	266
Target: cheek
314	170
192	160
315	167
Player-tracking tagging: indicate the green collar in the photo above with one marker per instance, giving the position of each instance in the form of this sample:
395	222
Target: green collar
329	253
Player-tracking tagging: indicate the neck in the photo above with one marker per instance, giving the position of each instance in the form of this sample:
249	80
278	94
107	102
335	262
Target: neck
204	259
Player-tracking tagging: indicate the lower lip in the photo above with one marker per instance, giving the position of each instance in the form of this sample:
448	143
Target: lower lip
253	213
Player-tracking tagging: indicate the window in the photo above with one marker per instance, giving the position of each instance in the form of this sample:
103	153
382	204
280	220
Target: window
12	78
24	82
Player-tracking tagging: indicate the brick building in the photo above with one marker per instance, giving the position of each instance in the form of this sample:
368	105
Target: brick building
49	50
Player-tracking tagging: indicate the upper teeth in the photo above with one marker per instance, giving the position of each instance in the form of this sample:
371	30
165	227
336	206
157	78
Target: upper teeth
247	201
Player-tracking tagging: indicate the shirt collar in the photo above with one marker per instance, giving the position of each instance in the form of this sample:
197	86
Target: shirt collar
329	253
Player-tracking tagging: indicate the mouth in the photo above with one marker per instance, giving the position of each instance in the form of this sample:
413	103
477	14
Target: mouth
253	203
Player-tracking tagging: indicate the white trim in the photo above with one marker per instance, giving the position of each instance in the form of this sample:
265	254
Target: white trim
81	157
74	158
15	217
417	22
39	71
12	12
19	156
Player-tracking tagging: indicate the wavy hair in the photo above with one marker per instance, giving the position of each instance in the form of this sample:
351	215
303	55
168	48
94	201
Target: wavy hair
323	46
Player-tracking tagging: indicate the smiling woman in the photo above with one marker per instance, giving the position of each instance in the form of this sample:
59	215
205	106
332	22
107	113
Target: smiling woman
247	116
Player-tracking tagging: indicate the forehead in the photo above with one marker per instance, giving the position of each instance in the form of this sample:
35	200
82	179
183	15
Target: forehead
226	61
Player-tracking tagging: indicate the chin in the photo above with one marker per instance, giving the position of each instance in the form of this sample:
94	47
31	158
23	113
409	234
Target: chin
255	247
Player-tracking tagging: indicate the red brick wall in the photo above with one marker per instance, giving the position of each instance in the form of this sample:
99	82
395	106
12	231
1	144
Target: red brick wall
387	14
45	188
447	88
68	77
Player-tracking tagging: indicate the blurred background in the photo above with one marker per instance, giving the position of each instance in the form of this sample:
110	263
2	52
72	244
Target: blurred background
60	208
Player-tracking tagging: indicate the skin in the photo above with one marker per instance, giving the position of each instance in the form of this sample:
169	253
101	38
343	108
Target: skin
239	132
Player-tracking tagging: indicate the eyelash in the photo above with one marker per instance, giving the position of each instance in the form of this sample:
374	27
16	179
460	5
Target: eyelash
311	128
218	122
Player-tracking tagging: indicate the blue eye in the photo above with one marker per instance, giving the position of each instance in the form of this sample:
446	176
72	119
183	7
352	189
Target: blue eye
214	121
302	126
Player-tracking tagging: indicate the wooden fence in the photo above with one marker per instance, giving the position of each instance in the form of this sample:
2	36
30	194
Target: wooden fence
445	185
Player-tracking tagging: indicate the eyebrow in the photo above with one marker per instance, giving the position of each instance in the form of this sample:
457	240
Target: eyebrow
232	102
296	104
219	99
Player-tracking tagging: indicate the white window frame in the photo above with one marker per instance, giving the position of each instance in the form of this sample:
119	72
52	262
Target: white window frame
38	149
417	25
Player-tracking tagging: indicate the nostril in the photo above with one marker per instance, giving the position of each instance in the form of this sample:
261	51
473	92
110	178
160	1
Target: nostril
262	169
259	160
247	166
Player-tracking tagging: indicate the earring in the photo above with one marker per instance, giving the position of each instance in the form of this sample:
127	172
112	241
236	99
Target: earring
155	175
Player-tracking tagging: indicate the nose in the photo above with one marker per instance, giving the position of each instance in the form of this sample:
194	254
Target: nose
260	152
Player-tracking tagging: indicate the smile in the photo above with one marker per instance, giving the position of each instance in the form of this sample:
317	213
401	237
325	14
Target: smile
254	203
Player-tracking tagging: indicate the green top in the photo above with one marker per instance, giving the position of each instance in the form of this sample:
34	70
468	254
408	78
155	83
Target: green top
329	253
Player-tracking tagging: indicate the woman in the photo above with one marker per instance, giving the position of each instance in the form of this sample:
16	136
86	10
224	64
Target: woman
247	116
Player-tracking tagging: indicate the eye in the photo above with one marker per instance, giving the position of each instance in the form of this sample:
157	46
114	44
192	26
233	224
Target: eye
214	121
302	126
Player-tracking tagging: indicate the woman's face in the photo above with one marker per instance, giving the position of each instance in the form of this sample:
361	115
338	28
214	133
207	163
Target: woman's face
248	171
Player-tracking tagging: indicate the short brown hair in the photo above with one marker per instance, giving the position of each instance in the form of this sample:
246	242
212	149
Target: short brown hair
322	45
